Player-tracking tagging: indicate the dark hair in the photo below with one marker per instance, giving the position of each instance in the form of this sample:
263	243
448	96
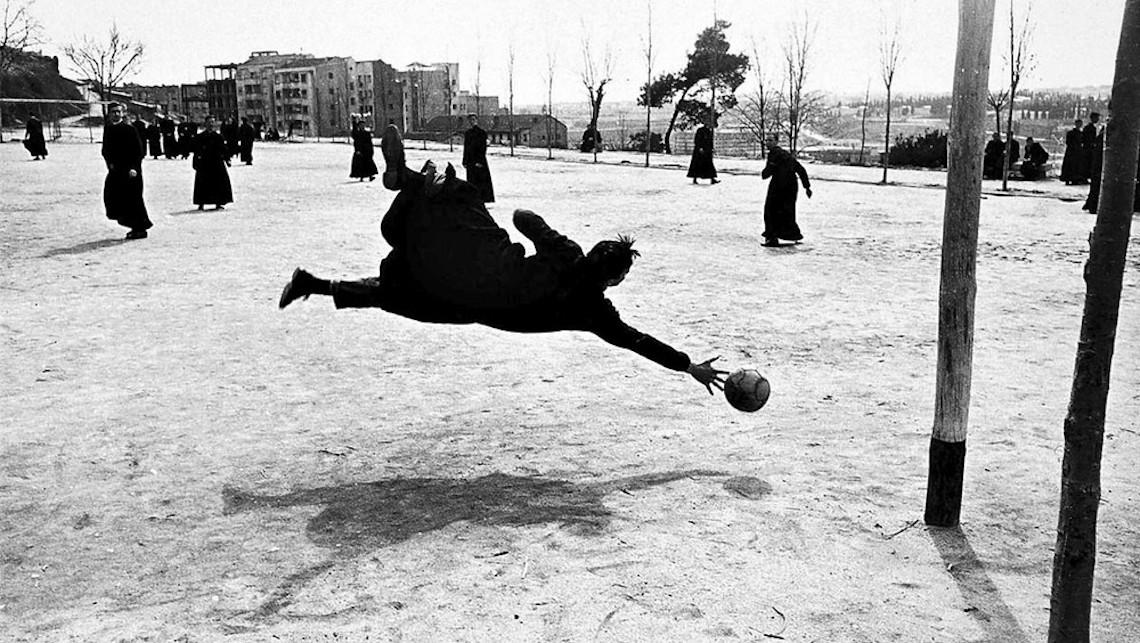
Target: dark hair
611	259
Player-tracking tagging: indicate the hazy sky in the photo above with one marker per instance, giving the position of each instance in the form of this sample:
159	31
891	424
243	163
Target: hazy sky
1074	42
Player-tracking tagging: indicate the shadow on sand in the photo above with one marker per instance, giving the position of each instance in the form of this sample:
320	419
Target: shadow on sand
357	518
86	246
984	598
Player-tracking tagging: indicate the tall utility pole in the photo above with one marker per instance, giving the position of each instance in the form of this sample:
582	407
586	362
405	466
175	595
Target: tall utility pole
1074	557
959	264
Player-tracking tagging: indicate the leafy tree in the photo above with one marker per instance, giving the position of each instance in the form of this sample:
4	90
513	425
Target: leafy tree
690	89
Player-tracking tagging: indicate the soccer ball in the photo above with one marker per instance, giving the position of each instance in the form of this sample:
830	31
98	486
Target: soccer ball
747	390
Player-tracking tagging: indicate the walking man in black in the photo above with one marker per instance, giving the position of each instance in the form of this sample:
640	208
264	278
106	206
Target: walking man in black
123	153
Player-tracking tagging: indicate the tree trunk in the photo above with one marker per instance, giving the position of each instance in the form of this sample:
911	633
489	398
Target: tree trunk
673	122
959	259
1006	160
1074	557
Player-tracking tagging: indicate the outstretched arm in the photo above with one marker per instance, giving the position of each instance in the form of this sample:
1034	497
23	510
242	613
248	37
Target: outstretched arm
804	179
609	326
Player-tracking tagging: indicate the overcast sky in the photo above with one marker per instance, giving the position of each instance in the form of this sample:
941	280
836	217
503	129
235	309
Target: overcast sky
1074	42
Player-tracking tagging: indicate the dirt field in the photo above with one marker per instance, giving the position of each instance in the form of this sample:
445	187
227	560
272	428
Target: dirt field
181	461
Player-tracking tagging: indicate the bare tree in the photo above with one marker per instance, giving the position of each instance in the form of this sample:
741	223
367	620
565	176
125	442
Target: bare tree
957	290
798	102
754	113
863	122
890	49
648	78
1021	62
105	63
511	93
1074	557
596	72
997	99
20	31
551	62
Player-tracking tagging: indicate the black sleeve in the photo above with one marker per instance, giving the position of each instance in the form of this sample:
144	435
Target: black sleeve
607	324
803	175
768	169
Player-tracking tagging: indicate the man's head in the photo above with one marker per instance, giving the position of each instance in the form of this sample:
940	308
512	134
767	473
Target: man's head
609	261
115	112
1078	123
244	120
472	119
1094	117
1029	140
996	137
210	123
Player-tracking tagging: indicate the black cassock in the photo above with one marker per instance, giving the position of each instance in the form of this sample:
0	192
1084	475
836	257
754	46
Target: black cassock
363	165
211	180
1071	164
475	160
783	190
34	137
154	138
1088	145
122	193
701	164
246	134
169	143
140	127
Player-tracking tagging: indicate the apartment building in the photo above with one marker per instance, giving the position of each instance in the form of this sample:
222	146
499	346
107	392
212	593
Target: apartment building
377	95
165	99
221	90
313	98
465	103
254	79
428	91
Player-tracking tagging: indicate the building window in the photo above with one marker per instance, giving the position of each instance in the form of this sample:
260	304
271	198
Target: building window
332	91
351	100
330	75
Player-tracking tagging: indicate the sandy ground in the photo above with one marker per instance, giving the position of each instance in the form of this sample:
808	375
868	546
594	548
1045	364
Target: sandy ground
181	461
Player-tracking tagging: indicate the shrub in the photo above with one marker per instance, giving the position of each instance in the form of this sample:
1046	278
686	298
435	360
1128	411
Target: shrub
925	150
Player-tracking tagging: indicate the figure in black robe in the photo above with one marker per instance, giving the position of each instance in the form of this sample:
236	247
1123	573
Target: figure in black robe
783	189
1096	166
992	157
701	163
211	158
169	142
186	133
140	127
154	139
1014	151
1088	143
475	160
1033	167
246	134
558	288
229	131
123	153
363	165
1071	164
34	138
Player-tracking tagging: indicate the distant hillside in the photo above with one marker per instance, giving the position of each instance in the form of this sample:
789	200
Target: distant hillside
36	76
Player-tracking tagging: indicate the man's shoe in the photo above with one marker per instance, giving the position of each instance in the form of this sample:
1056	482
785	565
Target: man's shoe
297	288
136	234
392	147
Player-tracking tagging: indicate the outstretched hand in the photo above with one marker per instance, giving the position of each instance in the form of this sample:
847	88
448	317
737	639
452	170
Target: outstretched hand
807	191
707	375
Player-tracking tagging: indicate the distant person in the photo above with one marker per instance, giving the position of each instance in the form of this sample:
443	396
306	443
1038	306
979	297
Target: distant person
154	139
187	130
211	158
140	127
451	263
1096	167
229	132
123	153
1071	163
34	138
1033	167
475	159
169	142
271	134
992	157
701	163
1014	149
246	134
1089	134
783	190
363	153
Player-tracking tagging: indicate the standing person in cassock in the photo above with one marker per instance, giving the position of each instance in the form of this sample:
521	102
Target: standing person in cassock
34	138
1071	163
475	159
701	163
123	152
169	142
992	157
246	134
1088	141
186	132
1096	167
229	131
140	127
783	189
363	165
154	139
211	158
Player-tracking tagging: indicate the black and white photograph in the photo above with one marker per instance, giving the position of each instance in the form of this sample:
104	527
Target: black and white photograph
677	321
